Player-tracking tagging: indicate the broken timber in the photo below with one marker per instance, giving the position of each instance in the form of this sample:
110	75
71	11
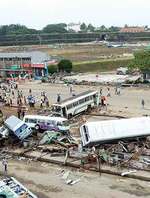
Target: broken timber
78	166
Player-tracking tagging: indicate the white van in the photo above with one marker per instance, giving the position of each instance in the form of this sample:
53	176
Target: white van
47	123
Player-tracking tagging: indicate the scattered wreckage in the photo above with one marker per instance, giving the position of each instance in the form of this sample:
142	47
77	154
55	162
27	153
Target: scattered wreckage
11	188
14	128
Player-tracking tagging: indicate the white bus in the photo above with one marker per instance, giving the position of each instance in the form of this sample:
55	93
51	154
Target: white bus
46	123
77	104
110	130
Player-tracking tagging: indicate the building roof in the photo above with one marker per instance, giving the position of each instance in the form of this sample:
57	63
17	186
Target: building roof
36	56
132	29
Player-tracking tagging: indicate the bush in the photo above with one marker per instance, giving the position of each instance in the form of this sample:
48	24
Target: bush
65	66
52	69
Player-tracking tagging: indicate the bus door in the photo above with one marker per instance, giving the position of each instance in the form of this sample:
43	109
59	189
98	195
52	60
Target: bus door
96	99
64	112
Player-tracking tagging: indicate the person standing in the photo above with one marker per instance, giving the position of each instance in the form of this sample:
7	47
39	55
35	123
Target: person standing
5	165
101	91
108	92
143	103
58	98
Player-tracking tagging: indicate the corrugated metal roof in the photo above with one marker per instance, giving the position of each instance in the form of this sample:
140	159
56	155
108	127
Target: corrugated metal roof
36	56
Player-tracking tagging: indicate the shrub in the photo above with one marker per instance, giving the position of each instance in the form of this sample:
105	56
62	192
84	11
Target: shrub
65	66
52	69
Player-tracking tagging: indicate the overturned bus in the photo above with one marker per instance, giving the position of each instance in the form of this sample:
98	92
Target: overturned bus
93	133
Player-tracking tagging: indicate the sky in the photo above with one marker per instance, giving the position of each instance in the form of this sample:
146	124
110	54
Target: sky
39	13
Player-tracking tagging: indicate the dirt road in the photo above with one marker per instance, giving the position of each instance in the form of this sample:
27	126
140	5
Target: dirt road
129	102
45	180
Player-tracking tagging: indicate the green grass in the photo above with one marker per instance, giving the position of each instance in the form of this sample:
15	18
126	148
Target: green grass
102	66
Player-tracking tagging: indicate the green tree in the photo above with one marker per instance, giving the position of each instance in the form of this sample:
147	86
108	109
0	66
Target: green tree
65	65
90	28
141	60
103	28
83	27
55	28
114	29
52	69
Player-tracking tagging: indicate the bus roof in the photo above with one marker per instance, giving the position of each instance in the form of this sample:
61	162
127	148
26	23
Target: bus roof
44	117
13	123
75	98
109	130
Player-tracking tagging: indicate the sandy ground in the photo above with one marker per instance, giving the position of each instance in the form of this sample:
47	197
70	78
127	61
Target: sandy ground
128	103
46	181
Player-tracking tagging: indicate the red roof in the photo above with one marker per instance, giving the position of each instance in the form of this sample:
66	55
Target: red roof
133	29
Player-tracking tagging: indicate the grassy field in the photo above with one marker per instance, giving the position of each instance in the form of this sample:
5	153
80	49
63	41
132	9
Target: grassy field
85	57
101	66
80	53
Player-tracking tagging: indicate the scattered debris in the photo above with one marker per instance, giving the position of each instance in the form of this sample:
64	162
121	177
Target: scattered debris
128	172
11	188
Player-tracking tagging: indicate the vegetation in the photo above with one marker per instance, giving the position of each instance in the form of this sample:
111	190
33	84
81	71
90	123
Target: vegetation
16	34
65	66
52	69
100	66
141	60
55	28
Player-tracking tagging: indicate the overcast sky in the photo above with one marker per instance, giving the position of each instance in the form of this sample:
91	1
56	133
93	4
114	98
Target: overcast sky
38	13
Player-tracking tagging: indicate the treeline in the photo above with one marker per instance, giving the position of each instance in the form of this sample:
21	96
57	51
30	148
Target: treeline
53	28
60	33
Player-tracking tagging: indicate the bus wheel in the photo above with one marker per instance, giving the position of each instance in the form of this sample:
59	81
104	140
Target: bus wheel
89	109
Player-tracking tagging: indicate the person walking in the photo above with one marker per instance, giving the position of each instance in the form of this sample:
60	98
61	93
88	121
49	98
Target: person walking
101	91
143	103
5	166
58	98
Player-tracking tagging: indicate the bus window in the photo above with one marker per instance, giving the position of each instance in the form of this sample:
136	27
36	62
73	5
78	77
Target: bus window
87	99
32	121
69	106
56	108
75	104
82	101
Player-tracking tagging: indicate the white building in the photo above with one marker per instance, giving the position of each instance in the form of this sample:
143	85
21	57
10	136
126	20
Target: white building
74	26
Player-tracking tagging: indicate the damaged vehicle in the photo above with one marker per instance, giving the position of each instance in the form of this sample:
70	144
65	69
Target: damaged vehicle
44	123
15	126
93	133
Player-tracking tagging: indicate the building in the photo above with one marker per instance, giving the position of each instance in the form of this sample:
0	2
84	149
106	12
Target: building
133	29
24	63
74	26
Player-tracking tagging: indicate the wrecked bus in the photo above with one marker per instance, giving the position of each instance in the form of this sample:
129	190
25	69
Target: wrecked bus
93	133
77	104
18	127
